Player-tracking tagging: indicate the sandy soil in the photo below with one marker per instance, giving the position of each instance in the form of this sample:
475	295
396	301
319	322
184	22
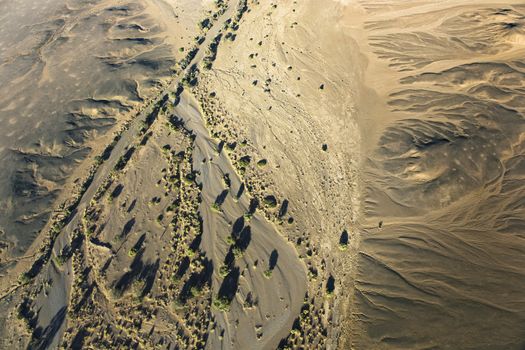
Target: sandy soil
253	174
151	252
439	263
76	71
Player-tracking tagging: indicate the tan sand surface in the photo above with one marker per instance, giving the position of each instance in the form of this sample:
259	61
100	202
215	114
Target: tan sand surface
249	174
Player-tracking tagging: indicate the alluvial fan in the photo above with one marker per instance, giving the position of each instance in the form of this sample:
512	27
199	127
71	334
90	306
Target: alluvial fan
444	269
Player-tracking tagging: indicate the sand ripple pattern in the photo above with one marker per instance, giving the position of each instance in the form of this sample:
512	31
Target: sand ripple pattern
445	270
68	68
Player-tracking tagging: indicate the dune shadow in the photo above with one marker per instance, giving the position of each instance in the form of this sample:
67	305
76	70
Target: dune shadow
197	281
100	243
117	191
245	238
238	225
42	338
183	267
86	295
229	285
221	197
240	191
343	240
284	208
274	256
254	204
127	227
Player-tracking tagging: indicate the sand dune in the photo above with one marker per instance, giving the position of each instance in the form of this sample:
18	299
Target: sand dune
178	254
76	71
246	174
442	181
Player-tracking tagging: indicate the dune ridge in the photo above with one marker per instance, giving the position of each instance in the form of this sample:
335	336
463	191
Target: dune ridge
441	242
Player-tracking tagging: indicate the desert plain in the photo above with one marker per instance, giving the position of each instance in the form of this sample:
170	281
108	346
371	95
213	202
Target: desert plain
252	174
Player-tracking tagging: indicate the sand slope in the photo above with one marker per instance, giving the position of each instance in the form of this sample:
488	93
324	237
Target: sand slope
265	175
163	246
72	72
443	269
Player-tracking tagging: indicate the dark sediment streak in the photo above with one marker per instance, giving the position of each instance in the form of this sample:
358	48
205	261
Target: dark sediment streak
73	70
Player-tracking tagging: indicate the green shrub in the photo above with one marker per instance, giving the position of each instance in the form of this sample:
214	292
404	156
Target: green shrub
216	207
60	259
270	201
224	270
195	291
237	252
132	252
244	161
262	163
24	278
222	304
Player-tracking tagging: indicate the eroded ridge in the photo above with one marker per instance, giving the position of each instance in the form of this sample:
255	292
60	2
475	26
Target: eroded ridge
443	235
162	245
75	74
